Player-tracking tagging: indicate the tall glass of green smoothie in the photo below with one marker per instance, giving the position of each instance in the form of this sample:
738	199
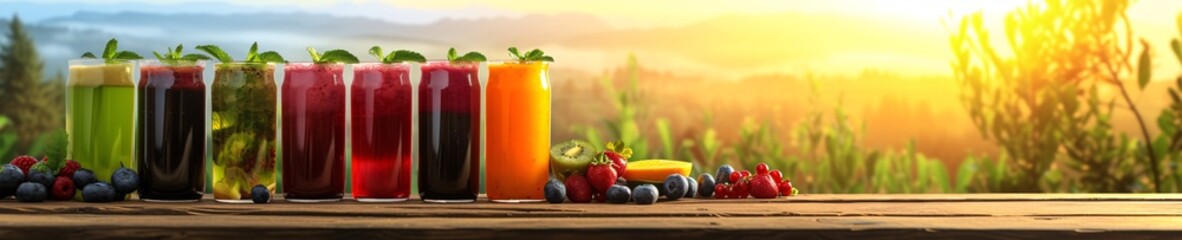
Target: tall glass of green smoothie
100	101
243	103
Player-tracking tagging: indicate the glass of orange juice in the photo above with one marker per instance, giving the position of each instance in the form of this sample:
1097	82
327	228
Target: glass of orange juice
518	131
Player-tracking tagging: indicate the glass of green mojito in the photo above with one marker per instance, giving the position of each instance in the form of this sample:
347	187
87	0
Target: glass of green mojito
100	100
243	103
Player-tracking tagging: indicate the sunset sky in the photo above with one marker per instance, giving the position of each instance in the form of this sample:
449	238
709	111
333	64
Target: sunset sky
1152	19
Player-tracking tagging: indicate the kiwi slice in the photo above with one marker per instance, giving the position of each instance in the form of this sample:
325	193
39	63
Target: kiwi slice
570	157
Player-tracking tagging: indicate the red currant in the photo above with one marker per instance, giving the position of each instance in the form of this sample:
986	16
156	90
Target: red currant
785	188
761	168
740	189
722	190
744	174
777	175
735	176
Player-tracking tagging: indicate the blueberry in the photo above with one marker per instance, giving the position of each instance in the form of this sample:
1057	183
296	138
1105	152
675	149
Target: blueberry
675	186
125	180
31	192
260	194
83	177
644	194
724	173
44	178
692	189
555	191
621	181
618	194
706	185
10	178
98	192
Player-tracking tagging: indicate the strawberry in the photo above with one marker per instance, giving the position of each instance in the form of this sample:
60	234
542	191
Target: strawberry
618	154
763	186
69	168
722	190
577	189
777	175
785	188
24	162
761	168
601	175
63	188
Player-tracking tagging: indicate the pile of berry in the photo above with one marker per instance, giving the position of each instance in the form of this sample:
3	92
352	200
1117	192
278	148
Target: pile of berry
31	180
741	184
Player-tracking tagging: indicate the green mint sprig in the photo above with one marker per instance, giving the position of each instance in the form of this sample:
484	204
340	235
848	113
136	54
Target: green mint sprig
332	56
252	56
452	56
397	56
112	53
532	55
175	56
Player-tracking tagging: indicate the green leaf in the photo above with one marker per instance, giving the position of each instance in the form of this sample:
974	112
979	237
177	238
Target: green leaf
158	56
472	57
216	52
178	51
404	56
513	52
1143	66
253	53
534	54
88	55
452	55
195	56
547	58
270	57
376	51
338	56
315	55
112	46
127	55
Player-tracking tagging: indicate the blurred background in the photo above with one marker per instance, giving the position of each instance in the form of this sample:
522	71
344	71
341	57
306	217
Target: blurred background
845	96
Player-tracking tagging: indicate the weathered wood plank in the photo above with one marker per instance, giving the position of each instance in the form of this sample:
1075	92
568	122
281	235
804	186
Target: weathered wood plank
996	216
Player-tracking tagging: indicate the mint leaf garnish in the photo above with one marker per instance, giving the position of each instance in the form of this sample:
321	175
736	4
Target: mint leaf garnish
55	152
216	52
532	55
396	56
252	56
452	56
332	56
111	53
174	56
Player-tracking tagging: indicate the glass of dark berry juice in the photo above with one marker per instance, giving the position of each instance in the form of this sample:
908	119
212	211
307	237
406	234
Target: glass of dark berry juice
170	134
449	132
313	137
381	104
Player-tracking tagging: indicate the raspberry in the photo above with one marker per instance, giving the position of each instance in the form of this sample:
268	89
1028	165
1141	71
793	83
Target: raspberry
69	168
761	169
63	188
24	162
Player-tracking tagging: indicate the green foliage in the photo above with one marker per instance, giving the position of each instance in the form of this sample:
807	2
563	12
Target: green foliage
175	56
1043	105
111	52
252	55
31	104
625	126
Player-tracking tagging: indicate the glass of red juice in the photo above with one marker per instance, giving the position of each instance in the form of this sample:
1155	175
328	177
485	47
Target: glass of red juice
171	130
313	137
381	103
449	132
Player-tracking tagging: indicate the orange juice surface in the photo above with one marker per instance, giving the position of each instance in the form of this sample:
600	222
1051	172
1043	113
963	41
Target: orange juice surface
518	135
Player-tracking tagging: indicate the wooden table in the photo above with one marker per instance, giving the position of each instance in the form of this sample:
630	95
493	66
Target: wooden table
821	216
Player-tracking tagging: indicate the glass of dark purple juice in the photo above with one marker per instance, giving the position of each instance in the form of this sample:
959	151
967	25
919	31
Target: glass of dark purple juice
449	132
313	137
170	130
